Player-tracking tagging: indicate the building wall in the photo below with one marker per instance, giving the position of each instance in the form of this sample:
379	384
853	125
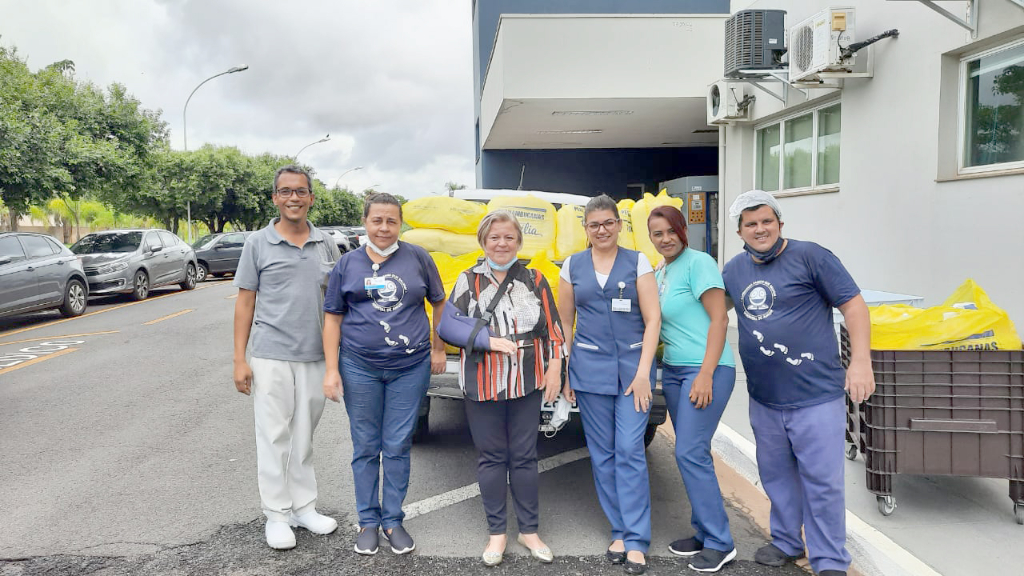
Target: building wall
902	220
588	172
486	14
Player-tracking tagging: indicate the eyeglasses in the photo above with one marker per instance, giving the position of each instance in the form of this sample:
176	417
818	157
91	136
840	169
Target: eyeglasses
607	224
287	192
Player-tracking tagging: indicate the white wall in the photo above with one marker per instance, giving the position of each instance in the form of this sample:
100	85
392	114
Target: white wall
893	223
585	56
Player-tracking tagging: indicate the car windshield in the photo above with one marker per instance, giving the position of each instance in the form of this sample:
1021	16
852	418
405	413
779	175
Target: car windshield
103	243
204	242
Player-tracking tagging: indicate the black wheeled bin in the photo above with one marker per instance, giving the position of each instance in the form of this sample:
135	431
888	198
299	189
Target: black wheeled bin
940	413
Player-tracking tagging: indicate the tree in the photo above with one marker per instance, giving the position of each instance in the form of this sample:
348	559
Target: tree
63	138
335	207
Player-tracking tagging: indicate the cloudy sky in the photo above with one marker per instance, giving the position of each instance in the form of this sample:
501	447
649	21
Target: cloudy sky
390	80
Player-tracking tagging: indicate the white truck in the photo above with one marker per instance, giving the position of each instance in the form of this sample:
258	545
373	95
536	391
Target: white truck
445	387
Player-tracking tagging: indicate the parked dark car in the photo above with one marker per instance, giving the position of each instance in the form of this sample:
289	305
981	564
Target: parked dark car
39	273
134	261
218	254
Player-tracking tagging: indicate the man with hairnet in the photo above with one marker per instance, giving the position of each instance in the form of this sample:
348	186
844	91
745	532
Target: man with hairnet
784	291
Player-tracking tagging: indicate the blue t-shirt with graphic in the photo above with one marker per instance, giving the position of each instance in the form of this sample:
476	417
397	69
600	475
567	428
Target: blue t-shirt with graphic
684	321
786	337
386	327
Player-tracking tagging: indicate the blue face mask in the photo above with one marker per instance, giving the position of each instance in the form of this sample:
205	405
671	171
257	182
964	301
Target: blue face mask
768	255
500	267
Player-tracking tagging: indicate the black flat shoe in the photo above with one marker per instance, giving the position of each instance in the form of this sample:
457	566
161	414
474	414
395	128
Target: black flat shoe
615	557
635	567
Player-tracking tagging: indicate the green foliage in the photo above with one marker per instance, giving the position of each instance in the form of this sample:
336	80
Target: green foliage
335	207
78	157
63	138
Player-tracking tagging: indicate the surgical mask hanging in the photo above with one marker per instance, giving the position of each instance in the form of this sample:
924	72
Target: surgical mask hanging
500	267
385	252
768	255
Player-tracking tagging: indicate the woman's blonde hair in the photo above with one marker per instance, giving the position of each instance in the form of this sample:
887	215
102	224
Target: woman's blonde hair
498	216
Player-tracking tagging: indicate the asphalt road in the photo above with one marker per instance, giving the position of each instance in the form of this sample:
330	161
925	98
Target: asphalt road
126	450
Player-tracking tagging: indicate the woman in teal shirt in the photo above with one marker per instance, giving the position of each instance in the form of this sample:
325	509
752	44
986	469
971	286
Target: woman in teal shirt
698	375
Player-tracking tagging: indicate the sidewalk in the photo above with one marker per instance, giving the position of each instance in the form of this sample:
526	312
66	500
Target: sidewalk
943	525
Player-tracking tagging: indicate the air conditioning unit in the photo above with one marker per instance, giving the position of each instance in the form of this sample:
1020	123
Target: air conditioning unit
816	45
754	40
723	102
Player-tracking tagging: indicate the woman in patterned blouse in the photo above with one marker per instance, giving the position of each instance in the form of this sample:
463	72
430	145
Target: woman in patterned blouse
505	368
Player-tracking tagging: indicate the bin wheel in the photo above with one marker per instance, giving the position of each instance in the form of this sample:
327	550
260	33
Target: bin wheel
851	452
1018	511
886	504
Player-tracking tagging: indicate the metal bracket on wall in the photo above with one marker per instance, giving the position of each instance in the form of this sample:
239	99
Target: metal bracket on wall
772	76
971	24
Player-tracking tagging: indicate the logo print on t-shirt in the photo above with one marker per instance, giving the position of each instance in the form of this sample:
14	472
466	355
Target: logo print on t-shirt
389	298
758	299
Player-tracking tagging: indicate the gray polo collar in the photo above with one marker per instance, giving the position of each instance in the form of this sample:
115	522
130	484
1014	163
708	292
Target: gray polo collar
276	238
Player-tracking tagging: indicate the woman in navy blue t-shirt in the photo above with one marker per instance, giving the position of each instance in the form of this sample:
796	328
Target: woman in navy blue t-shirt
375	311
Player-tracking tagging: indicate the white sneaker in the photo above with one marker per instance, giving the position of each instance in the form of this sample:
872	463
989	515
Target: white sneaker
280	536
315	522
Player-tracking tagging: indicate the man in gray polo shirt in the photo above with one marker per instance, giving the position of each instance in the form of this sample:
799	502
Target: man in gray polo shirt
280	278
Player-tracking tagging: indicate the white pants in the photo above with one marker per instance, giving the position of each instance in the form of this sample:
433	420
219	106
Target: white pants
288	400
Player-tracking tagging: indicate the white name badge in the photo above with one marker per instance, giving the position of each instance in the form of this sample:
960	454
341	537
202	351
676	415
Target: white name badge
621	305
374	283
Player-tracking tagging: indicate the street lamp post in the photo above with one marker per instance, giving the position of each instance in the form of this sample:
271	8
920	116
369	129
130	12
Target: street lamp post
320	141
184	129
336	182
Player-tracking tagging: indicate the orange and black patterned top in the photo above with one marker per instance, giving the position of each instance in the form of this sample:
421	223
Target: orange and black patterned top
526	314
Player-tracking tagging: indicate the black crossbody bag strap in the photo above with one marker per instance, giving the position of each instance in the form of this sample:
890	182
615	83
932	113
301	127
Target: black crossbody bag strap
485	318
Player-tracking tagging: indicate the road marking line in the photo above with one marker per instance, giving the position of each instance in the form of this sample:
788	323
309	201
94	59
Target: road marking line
151	299
235	295
168	317
857	527
36	360
451	497
59	337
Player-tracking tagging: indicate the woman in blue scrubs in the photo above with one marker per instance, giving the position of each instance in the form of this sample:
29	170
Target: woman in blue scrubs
610	294
697	376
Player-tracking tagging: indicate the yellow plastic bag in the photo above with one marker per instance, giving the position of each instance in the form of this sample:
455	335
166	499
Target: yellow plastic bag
641	210
444	213
571	235
967	320
626	215
442	241
537	218
548	269
449	268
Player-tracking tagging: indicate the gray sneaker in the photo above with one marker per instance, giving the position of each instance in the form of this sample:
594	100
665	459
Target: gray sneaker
770	555
366	543
711	560
401	542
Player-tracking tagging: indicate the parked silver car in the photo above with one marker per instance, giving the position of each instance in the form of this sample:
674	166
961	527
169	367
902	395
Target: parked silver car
38	273
134	261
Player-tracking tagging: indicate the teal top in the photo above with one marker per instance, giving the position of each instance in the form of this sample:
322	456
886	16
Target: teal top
684	322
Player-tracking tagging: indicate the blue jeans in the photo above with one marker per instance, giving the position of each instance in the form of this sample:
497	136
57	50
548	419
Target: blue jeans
800	461
382	407
694	430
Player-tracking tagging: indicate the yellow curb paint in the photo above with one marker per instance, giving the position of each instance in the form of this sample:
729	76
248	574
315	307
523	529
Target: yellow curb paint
168	317
151	299
36	360
65	336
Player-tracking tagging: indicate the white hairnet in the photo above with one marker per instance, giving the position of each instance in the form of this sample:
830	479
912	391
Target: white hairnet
751	199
